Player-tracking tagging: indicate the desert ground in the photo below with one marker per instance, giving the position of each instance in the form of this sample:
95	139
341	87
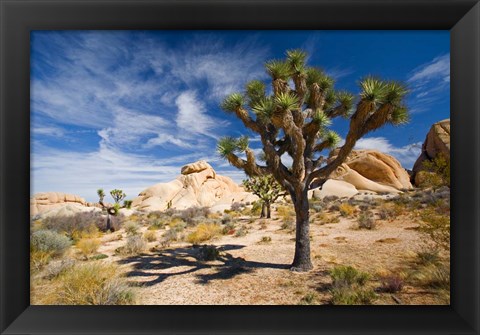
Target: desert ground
201	257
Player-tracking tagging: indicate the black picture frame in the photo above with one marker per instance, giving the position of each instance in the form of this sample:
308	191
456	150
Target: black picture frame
19	17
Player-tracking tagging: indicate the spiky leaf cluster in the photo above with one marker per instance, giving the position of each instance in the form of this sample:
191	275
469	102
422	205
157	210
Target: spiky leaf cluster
265	187
229	145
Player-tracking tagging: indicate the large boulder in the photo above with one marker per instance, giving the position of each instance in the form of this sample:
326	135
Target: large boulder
436	142
198	185
41	203
372	170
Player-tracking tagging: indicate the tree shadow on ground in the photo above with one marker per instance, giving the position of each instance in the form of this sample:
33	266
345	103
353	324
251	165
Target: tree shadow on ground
179	261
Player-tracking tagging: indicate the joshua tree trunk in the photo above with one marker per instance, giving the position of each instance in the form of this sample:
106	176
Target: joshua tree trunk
301	261
268	210
263	213
109	222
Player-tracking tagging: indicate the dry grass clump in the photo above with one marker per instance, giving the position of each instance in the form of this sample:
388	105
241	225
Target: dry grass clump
346	209
310	298
150	236
348	287
391	283
366	220
93	283
56	268
265	239
285	212
131	228
88	246
204	232
194	215
135	245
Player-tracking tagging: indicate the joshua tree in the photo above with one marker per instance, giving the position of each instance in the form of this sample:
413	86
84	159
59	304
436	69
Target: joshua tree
267	189
294	121
118	196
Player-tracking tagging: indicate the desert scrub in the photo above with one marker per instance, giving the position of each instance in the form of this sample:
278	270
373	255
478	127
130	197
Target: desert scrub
265	239
366	220
204	232
435	276
93	283
242	231
150	236
386	212
56	268
228	228
285	212
437	227
135	245
348	286
131	228
347	276
177	225
49	242
88	246
193	215
310	298
288	224
168	237
391	283
209	253
346	210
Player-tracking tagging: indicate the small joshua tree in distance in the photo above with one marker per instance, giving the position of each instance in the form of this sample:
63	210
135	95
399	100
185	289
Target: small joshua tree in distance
118	196
267	189
294	121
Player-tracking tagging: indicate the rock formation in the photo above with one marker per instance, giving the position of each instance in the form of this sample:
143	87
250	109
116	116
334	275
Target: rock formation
436	142
198	185
371	170
41	203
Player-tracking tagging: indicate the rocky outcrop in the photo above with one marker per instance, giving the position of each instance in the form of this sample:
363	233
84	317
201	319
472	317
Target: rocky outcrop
372	170
198	185
42	203
436	142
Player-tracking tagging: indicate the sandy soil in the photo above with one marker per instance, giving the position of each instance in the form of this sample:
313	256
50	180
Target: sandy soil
251	272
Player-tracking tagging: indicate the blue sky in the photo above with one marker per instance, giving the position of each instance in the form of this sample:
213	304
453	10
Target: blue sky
127	109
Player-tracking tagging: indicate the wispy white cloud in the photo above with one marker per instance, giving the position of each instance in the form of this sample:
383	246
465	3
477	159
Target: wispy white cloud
429	83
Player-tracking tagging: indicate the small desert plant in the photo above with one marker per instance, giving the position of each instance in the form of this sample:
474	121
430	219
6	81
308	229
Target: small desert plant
56	268
131	228
285	212
88	246
168	237
346	209
177	224
98	257
391	283
386	212
49	242
266	239
237	207
193	214
348	276
226	219
242	231
433	276
309	299
288	224
437	227
366	220
150	236
93	283
438	172
228	228
348	286
209	253
204	232
256	208
74	225
356	296
427	257
135	245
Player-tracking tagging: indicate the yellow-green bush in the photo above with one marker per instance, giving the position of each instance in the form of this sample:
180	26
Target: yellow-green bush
88	246
204	232
150	236
92	283
346	209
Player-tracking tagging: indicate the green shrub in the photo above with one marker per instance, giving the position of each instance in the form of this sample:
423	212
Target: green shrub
348	276
391	283
209	253
349	296
150	236
309	299
56	268
50	242
346	209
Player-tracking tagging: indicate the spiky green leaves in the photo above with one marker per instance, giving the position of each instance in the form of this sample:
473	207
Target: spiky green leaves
345	100
117	195
255	91
264	109
317	76
101	194
286	101
399	116
321	119
230	145
278	69
233	102
378	91
332	139
296	59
